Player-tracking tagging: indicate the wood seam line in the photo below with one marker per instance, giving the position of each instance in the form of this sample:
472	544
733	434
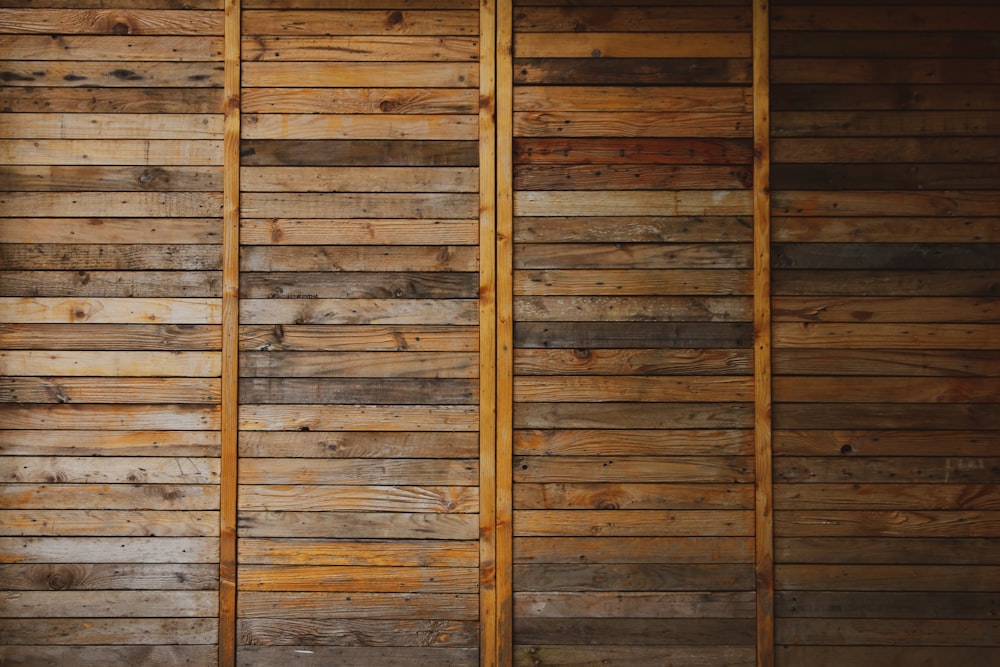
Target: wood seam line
505	324
763	449
488	649
230	337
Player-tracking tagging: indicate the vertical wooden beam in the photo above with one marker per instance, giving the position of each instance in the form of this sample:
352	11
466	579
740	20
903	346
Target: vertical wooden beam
764	522
230	337
505	329
488	649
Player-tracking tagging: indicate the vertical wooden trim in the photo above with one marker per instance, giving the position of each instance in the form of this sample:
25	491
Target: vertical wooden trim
487	336
230	337
505	330
764	542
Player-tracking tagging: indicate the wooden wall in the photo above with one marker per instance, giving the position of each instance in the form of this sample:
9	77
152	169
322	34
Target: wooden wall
371	456
359	339
109	348
633	451
886	183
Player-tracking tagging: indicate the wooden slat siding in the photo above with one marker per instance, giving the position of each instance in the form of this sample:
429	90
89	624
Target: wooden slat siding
367	395
632	288
110	233
884	468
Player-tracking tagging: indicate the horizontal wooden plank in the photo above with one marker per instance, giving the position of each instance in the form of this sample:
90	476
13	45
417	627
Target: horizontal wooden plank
376	101
111	22
632	523
160	152
102	443
875	70
632	415
622	98
368	579
21	99
885	177
112	204
400	258
679	631
631	124
59	577
631	229
815	442
886	309
632	177
423	553
885	336
651	283
110	179
363	205
111	337
110	364
96	656
909	123
359	417
918	632
358	338
169	48
853	150
111	231
109	470
138	496
881	605
929	416
885	283
408	22
459	606
111	310
632	71
880	497
112	126
126	550
53	73
357	525
273	498
100	523
632	256
623	150
884	18
359	47
111	284
810	389
109	390
914	362
399	391
98	604
630	202
359	126
887	469
637	495
570	442
889	551
627	44
882	229
618	655
555	388
904	577
462	312
887	256
619	335
574	551
359	285
359	364
882	96
110	417
648	362
358	153
557	309
375	444
351	656
889	523
102	631
883	203
633	19
309	232
352	179
633	605
360	472
357	632
872	656
284	74
638	469
683	576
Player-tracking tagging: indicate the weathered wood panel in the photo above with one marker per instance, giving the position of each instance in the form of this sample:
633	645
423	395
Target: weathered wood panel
632	425
885	340
110	315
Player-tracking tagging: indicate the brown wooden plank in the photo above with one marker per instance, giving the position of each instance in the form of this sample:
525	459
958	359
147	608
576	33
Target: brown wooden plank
370	578
631	124
878	497
59	577
398	391
271	231
110	496
359	498
815	442
918	632
359	100
885	18
385	553
886	309
633	415
626	656
411	472
357	632
358	126
357	338
110	337
649	362
111	310
359	48
553	388
891	71
885	283
628	177
632	229
892	523
358	153
104	631
161	231
708	469
633	71
907	229
686	335
899	559
622	150
930	416
622	98
109	470
668	442
115	48
114	204
114	179
409	22
644	605
680	631
96	656
808	389
275	74
631	202
112	126
574	551
357	525
118	550
115	284
110	364
871	656
358	285
877	97
350	656
376	444
162	152
886	176
915	362
632	523
54	73
359	364
359	417
110	417
629	44
889	469
632	309
902	149
625	256
376	205
109	100
348	179
658	576
115	443
135	523
359	311
631	495
880	605
254	604
111	22
633	19
109	390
